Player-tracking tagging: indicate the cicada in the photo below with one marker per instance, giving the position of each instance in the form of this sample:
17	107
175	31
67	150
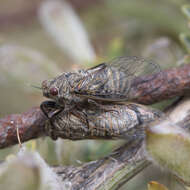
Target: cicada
120	121
106	82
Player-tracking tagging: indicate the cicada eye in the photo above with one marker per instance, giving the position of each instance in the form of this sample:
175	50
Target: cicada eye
53	91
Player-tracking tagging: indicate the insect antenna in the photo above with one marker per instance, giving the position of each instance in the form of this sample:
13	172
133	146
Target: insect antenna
37	87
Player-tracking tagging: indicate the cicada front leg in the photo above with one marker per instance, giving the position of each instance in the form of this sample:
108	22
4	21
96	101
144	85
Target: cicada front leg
50	110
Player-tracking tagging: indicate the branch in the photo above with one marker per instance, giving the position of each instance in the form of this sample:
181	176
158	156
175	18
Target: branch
164	85
145	90
111	172
30	125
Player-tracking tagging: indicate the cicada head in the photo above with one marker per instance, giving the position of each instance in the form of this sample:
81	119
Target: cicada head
57	89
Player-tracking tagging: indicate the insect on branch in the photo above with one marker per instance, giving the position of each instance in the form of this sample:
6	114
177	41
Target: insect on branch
145	90
31	124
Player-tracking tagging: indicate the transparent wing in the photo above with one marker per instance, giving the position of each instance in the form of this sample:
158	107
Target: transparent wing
112	81
134	66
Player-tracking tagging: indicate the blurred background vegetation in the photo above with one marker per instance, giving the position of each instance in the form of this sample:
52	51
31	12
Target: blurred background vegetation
40	39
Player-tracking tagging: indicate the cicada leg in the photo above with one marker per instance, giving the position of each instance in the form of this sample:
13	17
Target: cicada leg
50	110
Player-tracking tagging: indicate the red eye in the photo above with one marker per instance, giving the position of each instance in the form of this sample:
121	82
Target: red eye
53	91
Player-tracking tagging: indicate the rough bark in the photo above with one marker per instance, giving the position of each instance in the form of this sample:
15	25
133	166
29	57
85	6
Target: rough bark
164	85
30	125
110	172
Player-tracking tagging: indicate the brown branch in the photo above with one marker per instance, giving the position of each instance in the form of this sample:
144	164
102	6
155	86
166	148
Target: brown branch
30	125
166	84
110	172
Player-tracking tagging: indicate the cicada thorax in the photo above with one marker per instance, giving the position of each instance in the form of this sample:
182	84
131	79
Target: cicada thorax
69	96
